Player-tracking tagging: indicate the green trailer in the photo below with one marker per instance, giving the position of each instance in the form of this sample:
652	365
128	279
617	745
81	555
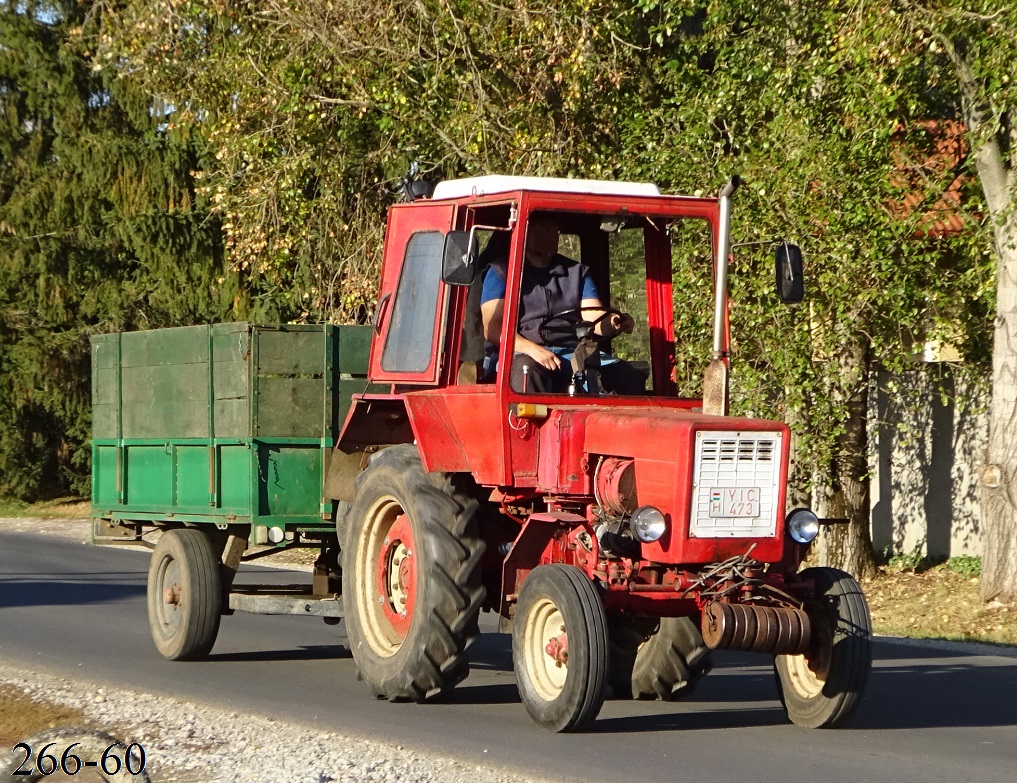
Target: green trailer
219	438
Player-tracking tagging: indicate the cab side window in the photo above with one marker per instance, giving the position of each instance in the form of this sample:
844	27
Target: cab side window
411	334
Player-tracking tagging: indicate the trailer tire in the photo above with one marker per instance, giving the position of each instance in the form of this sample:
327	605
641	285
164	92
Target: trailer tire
184	595
411	578
824	687
664	663
558	602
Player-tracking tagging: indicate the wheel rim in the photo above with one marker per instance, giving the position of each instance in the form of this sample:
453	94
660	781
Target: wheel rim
397	575
805	682
169	606
807	674
386	576
545	635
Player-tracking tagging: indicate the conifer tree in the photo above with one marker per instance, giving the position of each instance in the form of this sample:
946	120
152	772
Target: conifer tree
101	228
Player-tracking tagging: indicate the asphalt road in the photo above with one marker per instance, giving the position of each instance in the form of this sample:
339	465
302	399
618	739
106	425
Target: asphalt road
929	715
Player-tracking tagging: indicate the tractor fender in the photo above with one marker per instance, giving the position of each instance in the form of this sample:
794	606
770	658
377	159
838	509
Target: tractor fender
373	422
543	539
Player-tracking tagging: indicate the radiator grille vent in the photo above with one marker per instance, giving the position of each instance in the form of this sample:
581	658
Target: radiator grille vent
735	485
738	449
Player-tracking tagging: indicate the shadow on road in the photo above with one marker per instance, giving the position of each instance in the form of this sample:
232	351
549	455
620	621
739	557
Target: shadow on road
492	651
82	589
501	693
668	719
318	652
947	690
909	688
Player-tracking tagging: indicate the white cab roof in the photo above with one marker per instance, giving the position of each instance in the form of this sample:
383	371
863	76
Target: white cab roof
496	183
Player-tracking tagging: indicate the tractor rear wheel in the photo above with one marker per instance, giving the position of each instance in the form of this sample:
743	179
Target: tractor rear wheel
411	578
824	687
663	661
560	648
184	595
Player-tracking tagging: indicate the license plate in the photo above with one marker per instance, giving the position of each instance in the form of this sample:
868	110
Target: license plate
736	502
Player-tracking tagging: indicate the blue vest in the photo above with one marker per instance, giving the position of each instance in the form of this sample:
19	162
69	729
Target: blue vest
545	292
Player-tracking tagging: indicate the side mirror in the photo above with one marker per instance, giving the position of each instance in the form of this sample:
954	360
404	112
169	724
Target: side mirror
459	261
790	280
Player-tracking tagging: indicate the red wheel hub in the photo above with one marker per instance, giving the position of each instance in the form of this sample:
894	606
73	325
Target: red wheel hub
397	575
558	648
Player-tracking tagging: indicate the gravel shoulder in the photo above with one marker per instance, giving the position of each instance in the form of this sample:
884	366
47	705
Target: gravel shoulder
71	529
186	742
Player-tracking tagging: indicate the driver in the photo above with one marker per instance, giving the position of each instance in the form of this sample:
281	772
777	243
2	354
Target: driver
552	284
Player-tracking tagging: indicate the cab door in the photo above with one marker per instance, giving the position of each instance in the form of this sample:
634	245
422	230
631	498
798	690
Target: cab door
409	322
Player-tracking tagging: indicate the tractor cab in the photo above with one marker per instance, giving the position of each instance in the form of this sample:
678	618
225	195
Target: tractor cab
453	369
574	278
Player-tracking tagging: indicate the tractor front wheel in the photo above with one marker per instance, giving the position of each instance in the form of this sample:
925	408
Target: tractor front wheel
560	648
823	688
184	595
411	578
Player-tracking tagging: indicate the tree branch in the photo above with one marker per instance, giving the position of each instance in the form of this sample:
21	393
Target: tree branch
996	176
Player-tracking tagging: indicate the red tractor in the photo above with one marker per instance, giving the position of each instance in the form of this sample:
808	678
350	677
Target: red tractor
620	534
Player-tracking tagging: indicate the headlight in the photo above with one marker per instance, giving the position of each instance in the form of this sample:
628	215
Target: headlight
647	524
802	525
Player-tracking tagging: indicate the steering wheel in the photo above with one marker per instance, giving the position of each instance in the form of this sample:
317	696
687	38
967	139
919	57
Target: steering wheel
572	324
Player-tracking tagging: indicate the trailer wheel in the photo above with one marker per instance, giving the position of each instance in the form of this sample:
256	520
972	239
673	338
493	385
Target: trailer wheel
560	648
663	661
184	595
824	687
411	578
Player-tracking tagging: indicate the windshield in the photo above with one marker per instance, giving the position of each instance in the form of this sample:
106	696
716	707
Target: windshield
615	304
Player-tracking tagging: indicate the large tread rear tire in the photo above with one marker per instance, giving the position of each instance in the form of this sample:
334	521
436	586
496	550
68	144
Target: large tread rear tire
822	689
559	603
411	578
184	595
664	664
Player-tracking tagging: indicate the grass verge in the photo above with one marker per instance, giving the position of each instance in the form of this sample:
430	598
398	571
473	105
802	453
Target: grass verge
938	602
21	716
60	508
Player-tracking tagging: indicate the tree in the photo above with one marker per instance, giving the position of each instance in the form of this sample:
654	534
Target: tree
315	108
823	108
978	39
101	229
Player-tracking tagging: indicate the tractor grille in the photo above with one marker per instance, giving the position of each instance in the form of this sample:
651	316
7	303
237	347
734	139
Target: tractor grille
735	485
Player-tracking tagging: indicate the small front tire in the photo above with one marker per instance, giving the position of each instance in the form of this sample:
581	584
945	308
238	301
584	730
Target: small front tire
560	648
823	688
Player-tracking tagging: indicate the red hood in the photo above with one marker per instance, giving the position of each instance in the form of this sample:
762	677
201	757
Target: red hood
662	443
653	434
